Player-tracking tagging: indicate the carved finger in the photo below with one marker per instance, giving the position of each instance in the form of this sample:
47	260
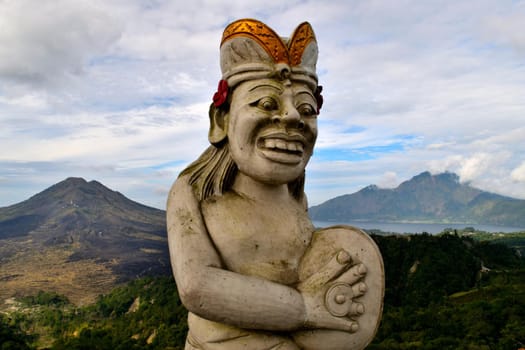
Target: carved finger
354	274
337	264
356	309
318	315
344	324
336	323
359	289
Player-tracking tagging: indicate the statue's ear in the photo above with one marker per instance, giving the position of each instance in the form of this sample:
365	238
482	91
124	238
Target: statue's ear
218	125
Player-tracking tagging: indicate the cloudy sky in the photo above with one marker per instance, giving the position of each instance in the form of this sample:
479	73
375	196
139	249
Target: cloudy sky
118	91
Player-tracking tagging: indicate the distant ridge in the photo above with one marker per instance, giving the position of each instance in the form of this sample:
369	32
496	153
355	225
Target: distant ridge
437	198
79	238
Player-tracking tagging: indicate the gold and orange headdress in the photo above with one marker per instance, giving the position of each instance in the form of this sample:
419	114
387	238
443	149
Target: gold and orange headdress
252	50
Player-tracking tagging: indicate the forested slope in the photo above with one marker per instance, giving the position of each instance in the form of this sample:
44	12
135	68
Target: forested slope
436	298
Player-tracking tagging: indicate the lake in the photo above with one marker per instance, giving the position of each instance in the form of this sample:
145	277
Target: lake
417	227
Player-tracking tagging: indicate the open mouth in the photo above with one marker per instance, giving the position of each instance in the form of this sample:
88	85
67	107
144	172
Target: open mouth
282	148
280	145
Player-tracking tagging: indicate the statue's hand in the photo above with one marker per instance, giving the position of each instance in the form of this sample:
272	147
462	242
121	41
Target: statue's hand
329	294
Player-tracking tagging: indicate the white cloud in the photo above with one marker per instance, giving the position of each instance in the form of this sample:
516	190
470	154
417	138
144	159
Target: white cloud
135	134
119	90
508	29
45	42
474	166
388	180
30	101
518	174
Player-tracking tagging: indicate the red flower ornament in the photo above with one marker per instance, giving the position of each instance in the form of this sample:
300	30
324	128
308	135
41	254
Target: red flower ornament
222	93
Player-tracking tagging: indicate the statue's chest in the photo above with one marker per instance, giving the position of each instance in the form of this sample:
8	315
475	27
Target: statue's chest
259	240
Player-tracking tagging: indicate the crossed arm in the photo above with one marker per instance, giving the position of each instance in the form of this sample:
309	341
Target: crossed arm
209	290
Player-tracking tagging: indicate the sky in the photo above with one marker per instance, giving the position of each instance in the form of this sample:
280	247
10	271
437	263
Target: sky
118	91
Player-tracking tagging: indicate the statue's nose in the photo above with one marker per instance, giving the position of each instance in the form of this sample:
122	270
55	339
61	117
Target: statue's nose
291	117
291	114
289	120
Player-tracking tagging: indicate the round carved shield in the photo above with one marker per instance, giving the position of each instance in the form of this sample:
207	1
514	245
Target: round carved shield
339	297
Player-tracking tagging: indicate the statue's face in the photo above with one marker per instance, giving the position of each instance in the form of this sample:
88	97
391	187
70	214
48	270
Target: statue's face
272	128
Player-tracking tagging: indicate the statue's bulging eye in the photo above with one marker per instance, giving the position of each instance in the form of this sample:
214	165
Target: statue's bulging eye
268	104
306	109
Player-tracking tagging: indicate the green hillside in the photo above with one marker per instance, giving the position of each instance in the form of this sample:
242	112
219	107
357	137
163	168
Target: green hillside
145	314
437	297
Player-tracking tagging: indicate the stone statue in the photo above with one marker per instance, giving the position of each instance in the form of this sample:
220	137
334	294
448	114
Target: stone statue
250	267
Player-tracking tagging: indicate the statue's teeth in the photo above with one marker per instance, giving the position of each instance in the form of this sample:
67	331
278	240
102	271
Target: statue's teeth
292	146
280	144
269	143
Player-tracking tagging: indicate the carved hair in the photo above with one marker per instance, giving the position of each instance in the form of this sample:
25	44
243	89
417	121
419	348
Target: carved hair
212	173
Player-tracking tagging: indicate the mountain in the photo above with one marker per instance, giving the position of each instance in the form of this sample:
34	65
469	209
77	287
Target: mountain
432	198
80	239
